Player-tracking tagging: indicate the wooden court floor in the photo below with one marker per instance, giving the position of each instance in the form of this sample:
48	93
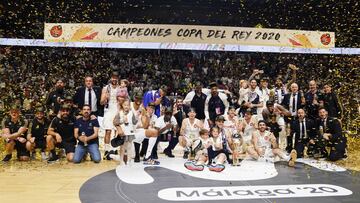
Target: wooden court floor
38	182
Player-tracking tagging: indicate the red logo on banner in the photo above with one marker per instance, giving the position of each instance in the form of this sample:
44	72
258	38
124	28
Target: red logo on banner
56	31
325	39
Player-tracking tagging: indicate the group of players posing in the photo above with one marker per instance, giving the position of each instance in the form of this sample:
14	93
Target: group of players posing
149	117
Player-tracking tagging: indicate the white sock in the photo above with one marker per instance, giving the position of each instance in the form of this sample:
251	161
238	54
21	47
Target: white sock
285	157
107	147
152	142
115	157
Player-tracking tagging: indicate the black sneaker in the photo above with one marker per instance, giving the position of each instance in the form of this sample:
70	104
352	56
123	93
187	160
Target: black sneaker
7	158
106	156
186	154
33	156
137	159
169	153
53	159
142	153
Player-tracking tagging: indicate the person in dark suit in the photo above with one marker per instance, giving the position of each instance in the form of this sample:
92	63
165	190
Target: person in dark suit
89	95
305	132
292	101
330	129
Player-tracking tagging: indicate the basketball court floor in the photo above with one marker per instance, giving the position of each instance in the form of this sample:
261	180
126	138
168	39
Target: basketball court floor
252	181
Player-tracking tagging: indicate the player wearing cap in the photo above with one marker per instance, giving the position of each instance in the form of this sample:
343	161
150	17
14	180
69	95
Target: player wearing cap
37	132
74	111
13	132
61	134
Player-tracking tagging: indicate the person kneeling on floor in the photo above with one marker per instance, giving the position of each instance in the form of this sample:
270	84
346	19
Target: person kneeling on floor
86	132
61	134
14	128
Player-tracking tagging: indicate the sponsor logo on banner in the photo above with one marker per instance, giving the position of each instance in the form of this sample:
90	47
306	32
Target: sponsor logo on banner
252	192
198	34
56	31
325	39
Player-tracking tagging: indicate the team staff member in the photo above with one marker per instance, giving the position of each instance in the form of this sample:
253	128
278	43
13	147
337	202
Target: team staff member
14	128
56	97
305	132
330	129
86	132
89	95
37	133
292	102
61	134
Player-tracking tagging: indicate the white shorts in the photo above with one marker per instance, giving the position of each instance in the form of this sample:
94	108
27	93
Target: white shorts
281	121
189	141
100	120
268	153
214	161
108	120
139	135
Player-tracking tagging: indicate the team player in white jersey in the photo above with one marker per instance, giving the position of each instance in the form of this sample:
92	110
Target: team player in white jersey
145	130
265	146
232	123
136	106
248	125
189	132
109	100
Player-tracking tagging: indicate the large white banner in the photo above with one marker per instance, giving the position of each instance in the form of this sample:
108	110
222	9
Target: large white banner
72	32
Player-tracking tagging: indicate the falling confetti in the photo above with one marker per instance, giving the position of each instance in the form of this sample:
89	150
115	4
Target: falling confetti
37	68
